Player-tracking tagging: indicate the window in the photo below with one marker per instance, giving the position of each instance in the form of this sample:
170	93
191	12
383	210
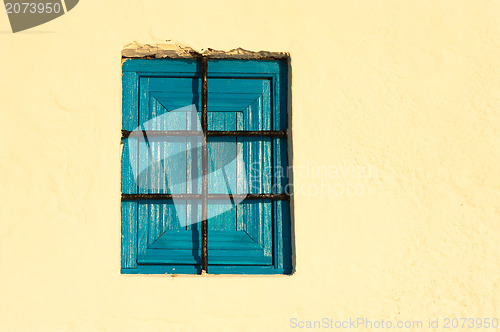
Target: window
205	167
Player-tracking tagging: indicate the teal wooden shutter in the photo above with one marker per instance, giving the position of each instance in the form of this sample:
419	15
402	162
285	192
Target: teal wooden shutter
164	235
240	104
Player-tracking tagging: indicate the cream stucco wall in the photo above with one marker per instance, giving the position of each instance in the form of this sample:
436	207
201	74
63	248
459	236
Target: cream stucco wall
410	89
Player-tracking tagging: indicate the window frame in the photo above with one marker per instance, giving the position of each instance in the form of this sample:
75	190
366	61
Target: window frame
276	70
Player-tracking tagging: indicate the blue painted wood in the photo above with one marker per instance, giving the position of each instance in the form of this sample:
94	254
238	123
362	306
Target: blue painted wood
129	122
128	183
185	67
282	221
254	254
234	104
257	220
265	208
129	234
172	67
142	228
241	182
281	99
283	249
243	68
217	257
222	175
248	270
196	269
164	159
145	158
219	240
163	269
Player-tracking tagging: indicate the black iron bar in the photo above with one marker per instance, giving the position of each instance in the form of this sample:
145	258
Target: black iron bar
141	133
204	191
211	133
268	133
135	197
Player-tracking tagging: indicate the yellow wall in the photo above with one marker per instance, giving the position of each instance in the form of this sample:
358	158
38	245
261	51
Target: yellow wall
410	89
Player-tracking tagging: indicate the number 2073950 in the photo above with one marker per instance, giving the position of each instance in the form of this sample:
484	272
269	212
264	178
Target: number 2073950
33	8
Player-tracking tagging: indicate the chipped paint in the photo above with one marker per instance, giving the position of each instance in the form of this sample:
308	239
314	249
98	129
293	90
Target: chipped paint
170	49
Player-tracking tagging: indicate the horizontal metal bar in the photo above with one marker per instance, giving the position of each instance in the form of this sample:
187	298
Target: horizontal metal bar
213	133
134	197
249	196
149	133
267	133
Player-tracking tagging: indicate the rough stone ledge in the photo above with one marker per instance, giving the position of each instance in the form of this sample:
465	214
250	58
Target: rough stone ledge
170	49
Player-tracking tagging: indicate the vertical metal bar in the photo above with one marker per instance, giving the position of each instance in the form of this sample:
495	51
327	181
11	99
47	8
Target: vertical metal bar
204	192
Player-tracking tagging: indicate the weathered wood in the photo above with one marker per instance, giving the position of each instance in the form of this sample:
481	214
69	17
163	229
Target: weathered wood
245	111
129	163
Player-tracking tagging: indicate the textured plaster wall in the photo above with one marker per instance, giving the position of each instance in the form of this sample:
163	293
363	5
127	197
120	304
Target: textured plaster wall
410	89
